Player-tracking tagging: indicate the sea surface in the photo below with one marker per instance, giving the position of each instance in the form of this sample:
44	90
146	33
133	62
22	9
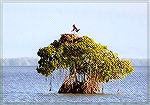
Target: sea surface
24	84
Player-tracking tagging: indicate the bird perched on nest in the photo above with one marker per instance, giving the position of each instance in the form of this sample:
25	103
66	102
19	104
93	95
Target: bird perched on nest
75	29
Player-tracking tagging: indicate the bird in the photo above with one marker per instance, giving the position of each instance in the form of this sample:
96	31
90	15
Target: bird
75	28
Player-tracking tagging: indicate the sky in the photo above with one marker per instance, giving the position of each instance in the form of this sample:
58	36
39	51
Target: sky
122	27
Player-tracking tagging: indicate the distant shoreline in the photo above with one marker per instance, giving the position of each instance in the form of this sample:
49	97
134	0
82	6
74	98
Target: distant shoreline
36	66
34	62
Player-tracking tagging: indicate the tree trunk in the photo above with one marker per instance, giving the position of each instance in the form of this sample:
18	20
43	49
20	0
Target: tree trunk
87	86
71	85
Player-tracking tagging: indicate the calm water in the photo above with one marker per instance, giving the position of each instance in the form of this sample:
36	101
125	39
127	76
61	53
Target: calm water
24	84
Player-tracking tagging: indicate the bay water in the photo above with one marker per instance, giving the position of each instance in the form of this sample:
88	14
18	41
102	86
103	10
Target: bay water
24	84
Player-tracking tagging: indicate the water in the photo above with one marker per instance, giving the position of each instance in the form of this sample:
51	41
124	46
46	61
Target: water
24	84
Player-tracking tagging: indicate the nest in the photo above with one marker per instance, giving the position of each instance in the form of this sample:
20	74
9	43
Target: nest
69	38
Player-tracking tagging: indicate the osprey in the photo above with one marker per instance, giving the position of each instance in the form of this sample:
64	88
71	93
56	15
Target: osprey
75	28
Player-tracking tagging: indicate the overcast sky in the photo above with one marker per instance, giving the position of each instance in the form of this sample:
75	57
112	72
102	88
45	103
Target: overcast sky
29	26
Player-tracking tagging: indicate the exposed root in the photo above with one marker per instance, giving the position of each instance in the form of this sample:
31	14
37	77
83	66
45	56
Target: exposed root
70	85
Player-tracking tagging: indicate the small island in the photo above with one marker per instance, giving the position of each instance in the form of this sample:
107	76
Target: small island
90	64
